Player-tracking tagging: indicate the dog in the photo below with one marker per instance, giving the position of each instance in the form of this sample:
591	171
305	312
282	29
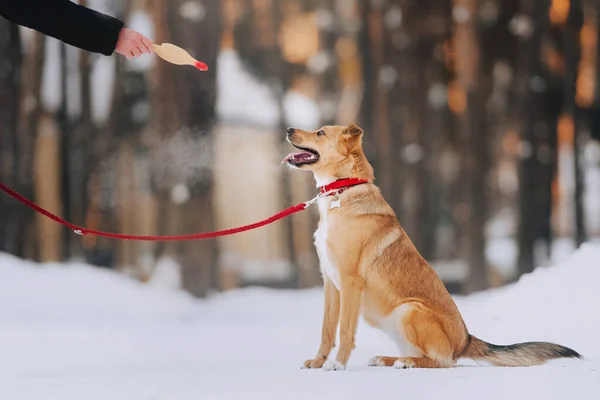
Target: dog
371	267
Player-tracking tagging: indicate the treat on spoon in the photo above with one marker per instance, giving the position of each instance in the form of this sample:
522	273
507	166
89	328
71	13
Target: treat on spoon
178	56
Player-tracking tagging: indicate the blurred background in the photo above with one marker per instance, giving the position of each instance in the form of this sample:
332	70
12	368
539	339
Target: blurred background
481	118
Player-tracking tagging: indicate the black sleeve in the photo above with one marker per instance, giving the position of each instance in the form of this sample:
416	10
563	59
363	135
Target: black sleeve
66	21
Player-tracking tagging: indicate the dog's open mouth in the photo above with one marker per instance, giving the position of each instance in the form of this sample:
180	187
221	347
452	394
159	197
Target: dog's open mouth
306	156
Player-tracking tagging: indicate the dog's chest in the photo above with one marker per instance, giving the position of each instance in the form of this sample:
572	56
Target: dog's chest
321	236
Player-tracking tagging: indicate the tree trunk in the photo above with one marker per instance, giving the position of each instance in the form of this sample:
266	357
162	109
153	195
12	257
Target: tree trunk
184	104
595	110
12	229
572	56
64	125
534	135
47	188
83	132
99	147
473	134
379	141
29	116
448	161
430	30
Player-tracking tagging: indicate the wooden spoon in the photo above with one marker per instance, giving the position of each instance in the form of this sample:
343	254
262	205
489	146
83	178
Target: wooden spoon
178	56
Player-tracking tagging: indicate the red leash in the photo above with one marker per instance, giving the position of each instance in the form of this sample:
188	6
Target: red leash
336	187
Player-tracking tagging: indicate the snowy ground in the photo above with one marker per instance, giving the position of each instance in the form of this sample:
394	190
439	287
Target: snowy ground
74	332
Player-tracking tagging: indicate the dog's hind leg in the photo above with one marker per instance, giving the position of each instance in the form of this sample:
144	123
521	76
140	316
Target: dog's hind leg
408	362
424	331
420	337
422	362
383	361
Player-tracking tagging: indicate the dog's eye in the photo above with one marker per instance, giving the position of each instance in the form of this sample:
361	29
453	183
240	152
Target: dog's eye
321	133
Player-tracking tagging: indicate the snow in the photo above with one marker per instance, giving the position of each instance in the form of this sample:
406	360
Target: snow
166	275
102	77
180	194
70	331
592	186
102	85
240	97
193	10
103	6
73	81
256	270
502	253
393	18
320	62
51	91
301	111
553	303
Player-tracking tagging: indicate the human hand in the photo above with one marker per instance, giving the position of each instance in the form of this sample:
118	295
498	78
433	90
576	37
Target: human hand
133	44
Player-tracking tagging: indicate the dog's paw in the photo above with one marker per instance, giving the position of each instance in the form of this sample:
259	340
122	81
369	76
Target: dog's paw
332	365
404	363
376	362
314	364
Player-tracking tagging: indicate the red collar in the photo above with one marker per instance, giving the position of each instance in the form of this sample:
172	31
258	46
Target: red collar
337	187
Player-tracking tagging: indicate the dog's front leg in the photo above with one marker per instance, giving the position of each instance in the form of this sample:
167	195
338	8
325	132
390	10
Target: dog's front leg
350	294
331	316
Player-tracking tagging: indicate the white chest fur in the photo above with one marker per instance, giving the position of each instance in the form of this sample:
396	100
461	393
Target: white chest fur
328	267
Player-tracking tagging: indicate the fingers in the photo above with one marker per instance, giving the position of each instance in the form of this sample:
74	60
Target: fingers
143	48
133	44
148	44
143	44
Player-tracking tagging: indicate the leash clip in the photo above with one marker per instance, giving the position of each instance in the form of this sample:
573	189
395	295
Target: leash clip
312	201
320	196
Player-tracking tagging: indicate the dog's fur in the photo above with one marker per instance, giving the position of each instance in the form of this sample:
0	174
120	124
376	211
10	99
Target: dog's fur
370	266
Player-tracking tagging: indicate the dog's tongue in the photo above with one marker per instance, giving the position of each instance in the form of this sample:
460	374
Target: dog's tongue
299	157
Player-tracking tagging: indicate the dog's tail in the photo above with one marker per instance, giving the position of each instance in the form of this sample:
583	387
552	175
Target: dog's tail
515	355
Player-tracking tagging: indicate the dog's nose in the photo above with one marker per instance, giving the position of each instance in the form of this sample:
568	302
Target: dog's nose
290	131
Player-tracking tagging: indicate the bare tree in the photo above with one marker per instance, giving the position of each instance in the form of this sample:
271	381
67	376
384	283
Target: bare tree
572	55
12	231
534	188
184	100
30	110
380	144
474	139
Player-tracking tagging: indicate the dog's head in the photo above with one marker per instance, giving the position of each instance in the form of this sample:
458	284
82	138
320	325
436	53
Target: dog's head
331	152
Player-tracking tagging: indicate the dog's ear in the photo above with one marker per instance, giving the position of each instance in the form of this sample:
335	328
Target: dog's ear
355	130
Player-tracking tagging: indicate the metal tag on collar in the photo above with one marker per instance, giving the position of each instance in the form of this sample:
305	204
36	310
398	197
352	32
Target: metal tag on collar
335	203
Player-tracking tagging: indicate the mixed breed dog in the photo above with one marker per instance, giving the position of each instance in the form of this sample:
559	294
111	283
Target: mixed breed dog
371	267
